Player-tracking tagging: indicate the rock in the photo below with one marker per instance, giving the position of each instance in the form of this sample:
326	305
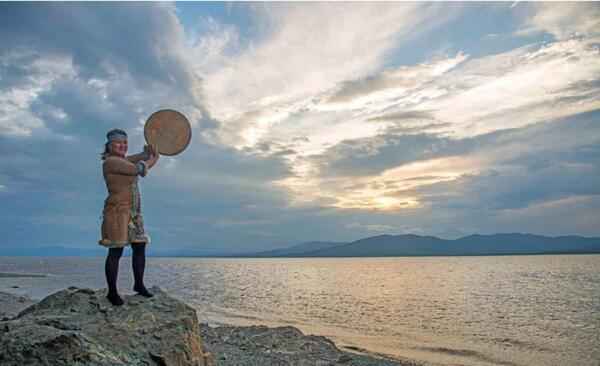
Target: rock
261	345
11	305
80	327
344	359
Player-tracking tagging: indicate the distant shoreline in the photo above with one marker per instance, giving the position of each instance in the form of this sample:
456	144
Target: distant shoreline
21	275
10	274
405	245
381	256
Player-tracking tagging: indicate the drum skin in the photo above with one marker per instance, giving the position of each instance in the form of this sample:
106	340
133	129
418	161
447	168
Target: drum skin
169	130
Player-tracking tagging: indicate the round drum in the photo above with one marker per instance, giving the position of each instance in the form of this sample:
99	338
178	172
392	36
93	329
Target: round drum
169	130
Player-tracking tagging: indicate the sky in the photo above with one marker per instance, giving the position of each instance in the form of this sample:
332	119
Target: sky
310	121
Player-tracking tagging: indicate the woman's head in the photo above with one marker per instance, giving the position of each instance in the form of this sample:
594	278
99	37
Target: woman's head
116	143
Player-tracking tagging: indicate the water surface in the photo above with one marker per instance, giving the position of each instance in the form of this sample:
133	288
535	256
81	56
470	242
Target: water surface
503	310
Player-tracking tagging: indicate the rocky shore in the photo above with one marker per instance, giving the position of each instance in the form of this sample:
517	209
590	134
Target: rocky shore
79	327
261	345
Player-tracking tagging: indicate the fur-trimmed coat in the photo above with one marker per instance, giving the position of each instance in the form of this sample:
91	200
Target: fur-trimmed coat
122	222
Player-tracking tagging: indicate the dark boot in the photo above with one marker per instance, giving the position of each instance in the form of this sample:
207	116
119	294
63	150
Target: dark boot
111	270
138	262
115	299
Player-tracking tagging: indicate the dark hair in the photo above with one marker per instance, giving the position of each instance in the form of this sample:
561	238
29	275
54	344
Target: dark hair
106	152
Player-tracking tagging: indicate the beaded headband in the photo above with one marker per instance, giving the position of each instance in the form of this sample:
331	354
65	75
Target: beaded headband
116	134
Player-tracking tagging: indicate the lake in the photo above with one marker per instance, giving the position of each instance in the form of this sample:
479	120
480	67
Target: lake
500	310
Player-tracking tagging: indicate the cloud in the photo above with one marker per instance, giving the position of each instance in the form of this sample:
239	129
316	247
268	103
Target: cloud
211	45
568	215
377	154
527	167
64	53
98	50
316	123
372	227
513	90
399	81
481	96
563	19
399	172
26	74
429	109
279	76
523	179
64	91
406	115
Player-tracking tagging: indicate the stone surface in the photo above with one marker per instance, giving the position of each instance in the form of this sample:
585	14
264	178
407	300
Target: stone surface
11	305
279	346
80	327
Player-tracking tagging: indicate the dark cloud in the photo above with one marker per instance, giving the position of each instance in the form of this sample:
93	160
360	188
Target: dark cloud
301	139
532	180
16	71
426	128
411	122
101	38
49	181
373	155
103	65
48	178
422	115
88	112
396	146
546	173
423	178
272	148
552	163
125	65
350	90
54	192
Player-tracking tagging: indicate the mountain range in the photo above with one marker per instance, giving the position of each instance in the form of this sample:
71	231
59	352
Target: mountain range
375	246
415	245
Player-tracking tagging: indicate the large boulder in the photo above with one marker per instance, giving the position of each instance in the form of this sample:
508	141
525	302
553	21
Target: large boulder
80	327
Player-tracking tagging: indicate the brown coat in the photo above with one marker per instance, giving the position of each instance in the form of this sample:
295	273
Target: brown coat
120	175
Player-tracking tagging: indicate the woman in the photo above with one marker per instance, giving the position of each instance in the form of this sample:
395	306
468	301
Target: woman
122	222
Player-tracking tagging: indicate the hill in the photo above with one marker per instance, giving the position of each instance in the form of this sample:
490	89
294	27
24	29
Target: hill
298	249
415	245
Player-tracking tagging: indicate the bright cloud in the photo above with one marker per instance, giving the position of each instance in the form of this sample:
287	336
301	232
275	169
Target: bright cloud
532	90
564	19
499	92
269	82
16	99
326	92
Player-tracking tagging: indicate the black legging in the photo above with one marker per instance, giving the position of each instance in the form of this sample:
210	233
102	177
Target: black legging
138	262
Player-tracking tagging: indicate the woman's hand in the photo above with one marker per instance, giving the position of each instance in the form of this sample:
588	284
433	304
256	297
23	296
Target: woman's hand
154	155
151	149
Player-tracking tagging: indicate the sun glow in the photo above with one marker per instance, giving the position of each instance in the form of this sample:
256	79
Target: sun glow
379	203
393	190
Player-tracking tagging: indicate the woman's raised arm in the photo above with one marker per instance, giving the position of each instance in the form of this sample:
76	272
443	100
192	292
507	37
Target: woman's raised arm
138	157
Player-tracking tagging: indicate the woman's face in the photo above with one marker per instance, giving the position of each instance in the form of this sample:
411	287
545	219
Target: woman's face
119	147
